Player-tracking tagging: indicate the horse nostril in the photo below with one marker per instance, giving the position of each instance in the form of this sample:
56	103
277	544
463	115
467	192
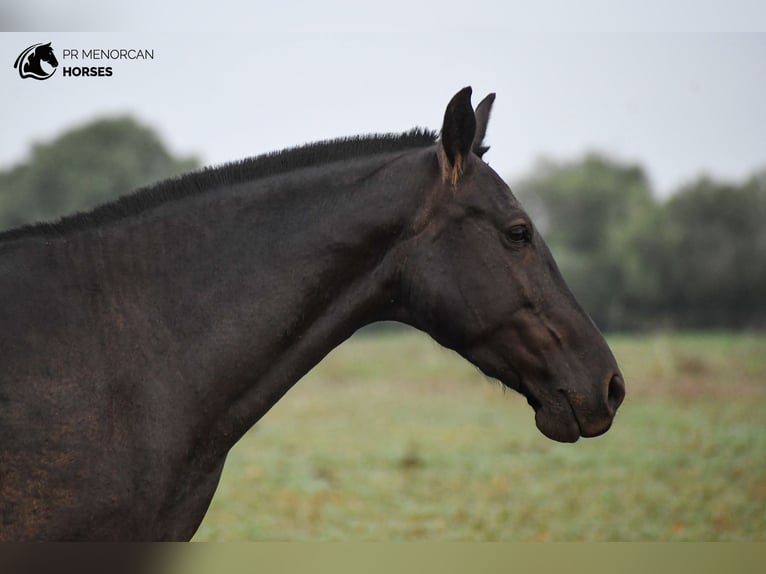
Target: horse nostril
615	393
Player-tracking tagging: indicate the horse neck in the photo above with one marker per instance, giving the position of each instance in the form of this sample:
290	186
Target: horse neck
246	288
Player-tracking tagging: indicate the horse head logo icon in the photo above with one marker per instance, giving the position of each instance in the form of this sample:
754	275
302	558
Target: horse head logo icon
29	62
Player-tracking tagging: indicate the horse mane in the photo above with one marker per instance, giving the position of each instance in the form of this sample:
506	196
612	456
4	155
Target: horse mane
208	178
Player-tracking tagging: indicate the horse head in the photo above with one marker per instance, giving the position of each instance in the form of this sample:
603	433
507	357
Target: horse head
478	277
45	53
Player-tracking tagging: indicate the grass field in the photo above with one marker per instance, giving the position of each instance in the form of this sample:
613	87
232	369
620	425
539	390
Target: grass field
393	438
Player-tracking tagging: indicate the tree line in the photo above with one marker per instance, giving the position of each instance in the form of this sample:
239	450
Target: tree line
694	260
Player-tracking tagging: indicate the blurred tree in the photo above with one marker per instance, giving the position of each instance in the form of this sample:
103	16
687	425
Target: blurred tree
592	213
713	257
84	167
697	260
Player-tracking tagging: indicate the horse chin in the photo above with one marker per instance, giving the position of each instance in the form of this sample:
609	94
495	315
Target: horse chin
555	419
558	427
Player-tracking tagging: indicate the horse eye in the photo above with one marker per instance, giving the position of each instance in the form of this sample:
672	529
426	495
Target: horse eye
518	234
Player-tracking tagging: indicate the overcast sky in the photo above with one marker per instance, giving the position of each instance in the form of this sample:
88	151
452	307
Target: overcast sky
641	88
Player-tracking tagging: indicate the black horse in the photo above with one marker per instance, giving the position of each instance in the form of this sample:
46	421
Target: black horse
140	341
29	60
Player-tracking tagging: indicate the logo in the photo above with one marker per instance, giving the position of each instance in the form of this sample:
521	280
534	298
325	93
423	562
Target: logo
29	62
40	63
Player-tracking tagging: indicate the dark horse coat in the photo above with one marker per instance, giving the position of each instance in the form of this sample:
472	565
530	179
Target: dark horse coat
140	341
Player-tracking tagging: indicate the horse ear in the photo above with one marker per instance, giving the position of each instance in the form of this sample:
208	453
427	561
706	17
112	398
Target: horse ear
482	119
458	132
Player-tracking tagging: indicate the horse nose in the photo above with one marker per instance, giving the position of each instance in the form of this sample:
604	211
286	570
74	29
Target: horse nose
615	393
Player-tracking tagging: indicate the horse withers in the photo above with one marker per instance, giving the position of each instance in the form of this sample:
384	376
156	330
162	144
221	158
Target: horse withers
141	340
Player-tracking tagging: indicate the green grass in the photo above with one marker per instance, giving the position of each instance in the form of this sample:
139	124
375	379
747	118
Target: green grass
393	438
